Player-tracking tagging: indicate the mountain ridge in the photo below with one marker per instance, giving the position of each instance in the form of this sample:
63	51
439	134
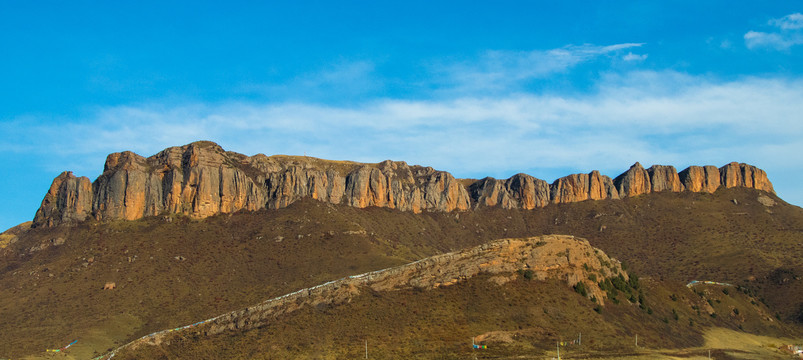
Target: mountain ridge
561	257
201	179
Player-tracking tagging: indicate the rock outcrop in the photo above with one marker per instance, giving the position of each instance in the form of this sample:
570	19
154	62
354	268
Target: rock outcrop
565	258
743	175
68	200
700	178
634	181
201	179
664	178
579	187
561	257
521	191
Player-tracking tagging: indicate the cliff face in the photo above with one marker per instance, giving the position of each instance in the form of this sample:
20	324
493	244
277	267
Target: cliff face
68	200
201	179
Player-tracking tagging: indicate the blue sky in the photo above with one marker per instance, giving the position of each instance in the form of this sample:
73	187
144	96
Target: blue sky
474	88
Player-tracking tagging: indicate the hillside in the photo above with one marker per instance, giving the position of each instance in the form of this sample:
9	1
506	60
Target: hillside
172	270
517	319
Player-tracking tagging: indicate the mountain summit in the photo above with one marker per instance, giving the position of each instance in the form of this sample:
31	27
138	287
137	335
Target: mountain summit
202	179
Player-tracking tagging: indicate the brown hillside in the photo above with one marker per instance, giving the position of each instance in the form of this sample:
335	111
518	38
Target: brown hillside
172	271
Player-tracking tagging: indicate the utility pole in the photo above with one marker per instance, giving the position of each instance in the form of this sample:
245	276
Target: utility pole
636	340
580	339
366	348
558	346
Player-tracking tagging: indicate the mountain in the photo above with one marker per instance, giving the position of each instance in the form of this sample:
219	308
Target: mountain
195	259
201	179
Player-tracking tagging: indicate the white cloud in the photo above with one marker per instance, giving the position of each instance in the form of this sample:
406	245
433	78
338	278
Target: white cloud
634	57
785	35
755	39
789	22
683	121
652	117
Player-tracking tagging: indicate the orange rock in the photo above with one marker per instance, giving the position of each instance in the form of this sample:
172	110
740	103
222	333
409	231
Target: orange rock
201	179
633	182
700	178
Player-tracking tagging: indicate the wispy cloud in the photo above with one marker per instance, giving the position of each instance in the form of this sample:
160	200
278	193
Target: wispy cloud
690	120
634	57
785	34
655	117
789	22
495	70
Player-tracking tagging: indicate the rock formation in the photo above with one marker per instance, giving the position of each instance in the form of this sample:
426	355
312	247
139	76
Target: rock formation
565	258
700	178
68	200
743	175
579	187
201	179
521	191
634	181
560	257
664	178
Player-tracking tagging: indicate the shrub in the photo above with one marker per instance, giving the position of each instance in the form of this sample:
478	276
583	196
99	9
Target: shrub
634	281
725	291
619	283
592	277
673	297
580	288
736	311
598	309
675	315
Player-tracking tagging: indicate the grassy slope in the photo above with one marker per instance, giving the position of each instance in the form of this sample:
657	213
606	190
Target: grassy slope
233	261
525	317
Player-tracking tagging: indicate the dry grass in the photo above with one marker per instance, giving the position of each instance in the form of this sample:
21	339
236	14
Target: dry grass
232	261
524	319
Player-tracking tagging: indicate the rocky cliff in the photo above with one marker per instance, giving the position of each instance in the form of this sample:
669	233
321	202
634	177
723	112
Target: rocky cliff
201	179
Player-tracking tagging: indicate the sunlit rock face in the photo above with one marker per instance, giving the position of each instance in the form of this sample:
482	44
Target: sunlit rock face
201	179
